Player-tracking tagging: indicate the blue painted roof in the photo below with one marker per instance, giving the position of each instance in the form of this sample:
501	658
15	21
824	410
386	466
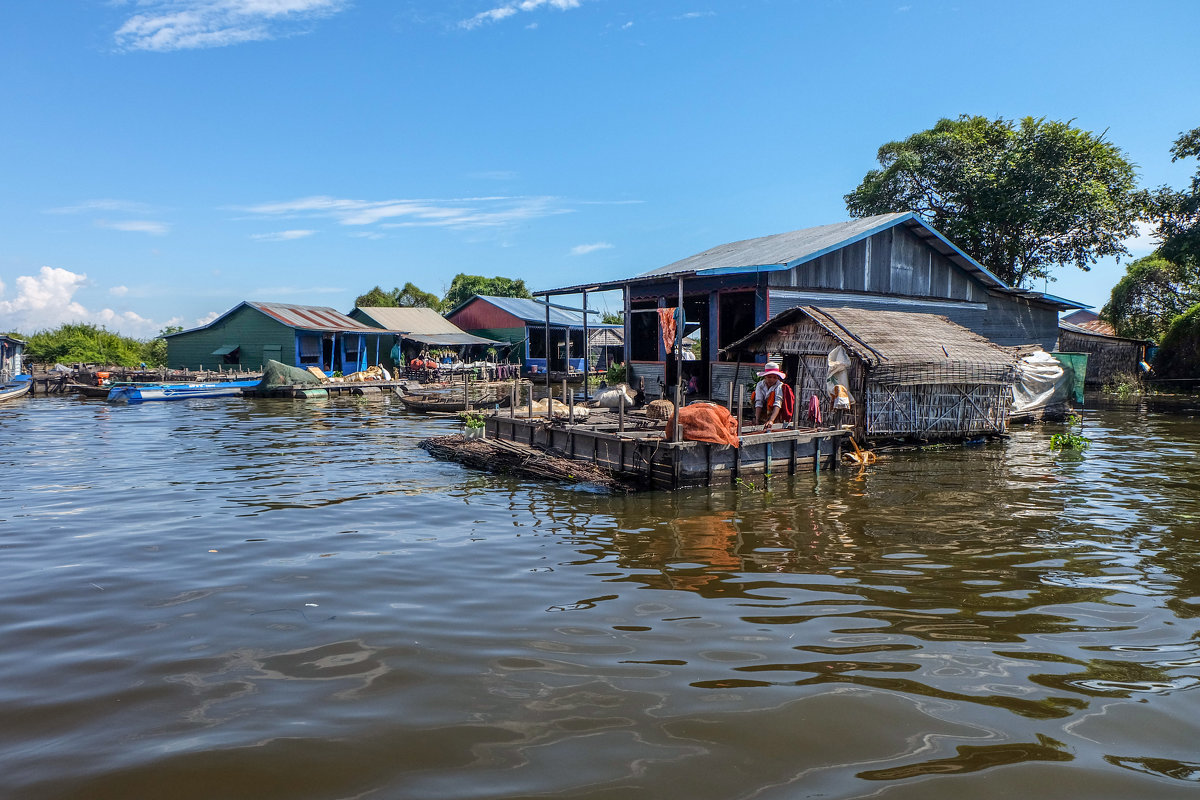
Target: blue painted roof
534	312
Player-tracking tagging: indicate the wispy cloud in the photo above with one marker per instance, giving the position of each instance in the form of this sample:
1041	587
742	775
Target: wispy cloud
166	25
457	213
584	249
697	15
506	10
119	291
1144	242
107	204
282	236
135	226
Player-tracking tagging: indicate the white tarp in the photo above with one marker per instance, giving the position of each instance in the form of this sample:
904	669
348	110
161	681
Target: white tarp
1041	381
837	384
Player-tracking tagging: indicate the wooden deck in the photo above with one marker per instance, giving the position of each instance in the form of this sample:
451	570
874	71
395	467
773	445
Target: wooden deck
634	448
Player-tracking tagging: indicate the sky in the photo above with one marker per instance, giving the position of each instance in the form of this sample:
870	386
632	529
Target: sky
163	160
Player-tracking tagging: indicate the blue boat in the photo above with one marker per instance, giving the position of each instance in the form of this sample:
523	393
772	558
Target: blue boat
17	387
142	392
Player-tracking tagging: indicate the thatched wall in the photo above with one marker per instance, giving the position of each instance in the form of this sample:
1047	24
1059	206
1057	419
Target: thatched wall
1108	357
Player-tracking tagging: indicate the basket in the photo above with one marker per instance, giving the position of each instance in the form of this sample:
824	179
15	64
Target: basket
660	409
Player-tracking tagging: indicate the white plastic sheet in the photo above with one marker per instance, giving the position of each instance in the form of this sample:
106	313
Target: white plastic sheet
1041	381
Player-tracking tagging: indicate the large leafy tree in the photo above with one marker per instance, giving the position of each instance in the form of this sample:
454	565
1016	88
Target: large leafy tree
1151	294
464	287
407	296
1021	198
1177	214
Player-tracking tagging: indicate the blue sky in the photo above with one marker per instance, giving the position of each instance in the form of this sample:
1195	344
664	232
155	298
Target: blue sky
163	160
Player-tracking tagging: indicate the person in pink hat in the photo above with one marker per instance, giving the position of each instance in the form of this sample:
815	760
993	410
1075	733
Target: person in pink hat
768	396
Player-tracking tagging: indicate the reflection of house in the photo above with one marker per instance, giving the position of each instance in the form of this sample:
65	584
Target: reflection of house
522	323
249	334
1110	357
421	329
911	375
10	357
891	262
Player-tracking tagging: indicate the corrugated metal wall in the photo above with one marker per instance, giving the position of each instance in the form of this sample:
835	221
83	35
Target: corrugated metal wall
250	330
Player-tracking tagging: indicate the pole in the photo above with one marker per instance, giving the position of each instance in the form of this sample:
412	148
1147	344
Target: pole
680	320
741	403
586	349
621	414
549	396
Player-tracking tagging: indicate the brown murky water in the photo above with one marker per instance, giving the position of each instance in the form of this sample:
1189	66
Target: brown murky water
226	599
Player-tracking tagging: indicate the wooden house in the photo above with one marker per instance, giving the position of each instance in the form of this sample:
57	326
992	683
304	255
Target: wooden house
891	262
522	324
419	329
249	334
11	350
1110	357
911	375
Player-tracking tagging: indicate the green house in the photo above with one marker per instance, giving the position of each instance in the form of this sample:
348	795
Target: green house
249	334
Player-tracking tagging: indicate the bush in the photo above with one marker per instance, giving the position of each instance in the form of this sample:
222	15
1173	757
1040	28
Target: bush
616	374
1179	353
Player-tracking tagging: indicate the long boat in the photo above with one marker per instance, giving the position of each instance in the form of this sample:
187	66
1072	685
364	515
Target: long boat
17	387
451	399
142	392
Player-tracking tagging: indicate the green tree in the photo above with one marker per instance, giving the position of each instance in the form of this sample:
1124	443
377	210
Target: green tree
1179	351
464	287
1020	198
412	297
612	318
1177	214
83	343
376	298
1150	295
154	352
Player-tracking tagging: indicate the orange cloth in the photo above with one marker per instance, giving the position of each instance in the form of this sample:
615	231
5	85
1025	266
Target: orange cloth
666	322
706	422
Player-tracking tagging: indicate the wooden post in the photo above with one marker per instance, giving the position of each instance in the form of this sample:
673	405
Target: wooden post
512	400
741	402
680	322
817	455
570	407
796	402
467	390
729	398
530	414
587	368
621	419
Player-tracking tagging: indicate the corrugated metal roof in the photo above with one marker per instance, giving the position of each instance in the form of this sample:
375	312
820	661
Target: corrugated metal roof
778	249
312	318
533	311
449	339
411	320
1107	332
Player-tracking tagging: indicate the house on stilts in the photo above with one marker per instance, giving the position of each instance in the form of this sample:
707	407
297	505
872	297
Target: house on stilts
888	263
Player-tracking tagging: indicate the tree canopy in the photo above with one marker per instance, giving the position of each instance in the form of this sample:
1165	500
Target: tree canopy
407	296
464	287
1020	198
1179	351
1177	214
1150	295
75	343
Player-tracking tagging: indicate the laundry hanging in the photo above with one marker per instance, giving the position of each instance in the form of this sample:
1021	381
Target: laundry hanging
667	319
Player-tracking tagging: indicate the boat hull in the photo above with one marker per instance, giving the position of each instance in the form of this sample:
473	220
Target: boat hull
177	391
15	388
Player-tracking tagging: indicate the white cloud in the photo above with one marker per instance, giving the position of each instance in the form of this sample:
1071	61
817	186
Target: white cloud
697	14
47	300
119	291
1144	242
627	26
167	25
584	249
513	8
108	204
135	226
282	236
207	318
458	213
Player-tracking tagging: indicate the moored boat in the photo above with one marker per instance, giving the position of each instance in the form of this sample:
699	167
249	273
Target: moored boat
17	387
142	392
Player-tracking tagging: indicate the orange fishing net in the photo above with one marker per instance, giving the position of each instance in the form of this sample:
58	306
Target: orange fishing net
666	321
706	422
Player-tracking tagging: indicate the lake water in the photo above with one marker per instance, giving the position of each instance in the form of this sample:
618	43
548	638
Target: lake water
278	599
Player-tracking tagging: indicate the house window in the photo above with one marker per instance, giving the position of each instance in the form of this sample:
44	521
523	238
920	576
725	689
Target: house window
309	350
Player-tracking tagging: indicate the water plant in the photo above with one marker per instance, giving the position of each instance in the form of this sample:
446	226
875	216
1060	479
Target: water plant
1070	439
471	419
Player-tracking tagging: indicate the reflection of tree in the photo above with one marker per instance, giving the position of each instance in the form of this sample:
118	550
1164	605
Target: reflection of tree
973	758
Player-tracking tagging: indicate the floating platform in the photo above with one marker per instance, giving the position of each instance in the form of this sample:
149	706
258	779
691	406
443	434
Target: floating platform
356	389
635	450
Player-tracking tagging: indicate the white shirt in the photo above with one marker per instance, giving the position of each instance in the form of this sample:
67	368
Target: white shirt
762	393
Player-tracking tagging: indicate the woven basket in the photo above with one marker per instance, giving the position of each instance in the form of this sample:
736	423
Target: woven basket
660	409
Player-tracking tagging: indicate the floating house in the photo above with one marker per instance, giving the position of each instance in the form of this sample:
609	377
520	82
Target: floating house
521	323
890	262
249	334
11	350
420	329
1109	357
910	375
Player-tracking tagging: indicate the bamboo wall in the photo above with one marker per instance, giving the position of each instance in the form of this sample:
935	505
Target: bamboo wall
1108	357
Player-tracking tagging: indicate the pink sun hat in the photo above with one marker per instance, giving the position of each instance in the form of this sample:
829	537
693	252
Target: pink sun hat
771	368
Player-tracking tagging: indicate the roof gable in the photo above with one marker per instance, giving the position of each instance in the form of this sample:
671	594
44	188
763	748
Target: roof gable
409	319
310	318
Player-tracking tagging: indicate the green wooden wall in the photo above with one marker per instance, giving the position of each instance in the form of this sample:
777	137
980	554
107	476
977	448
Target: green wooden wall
254	332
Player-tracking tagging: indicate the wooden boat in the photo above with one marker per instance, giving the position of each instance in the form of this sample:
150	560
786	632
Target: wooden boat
86	390
17	387
450	400
142	392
